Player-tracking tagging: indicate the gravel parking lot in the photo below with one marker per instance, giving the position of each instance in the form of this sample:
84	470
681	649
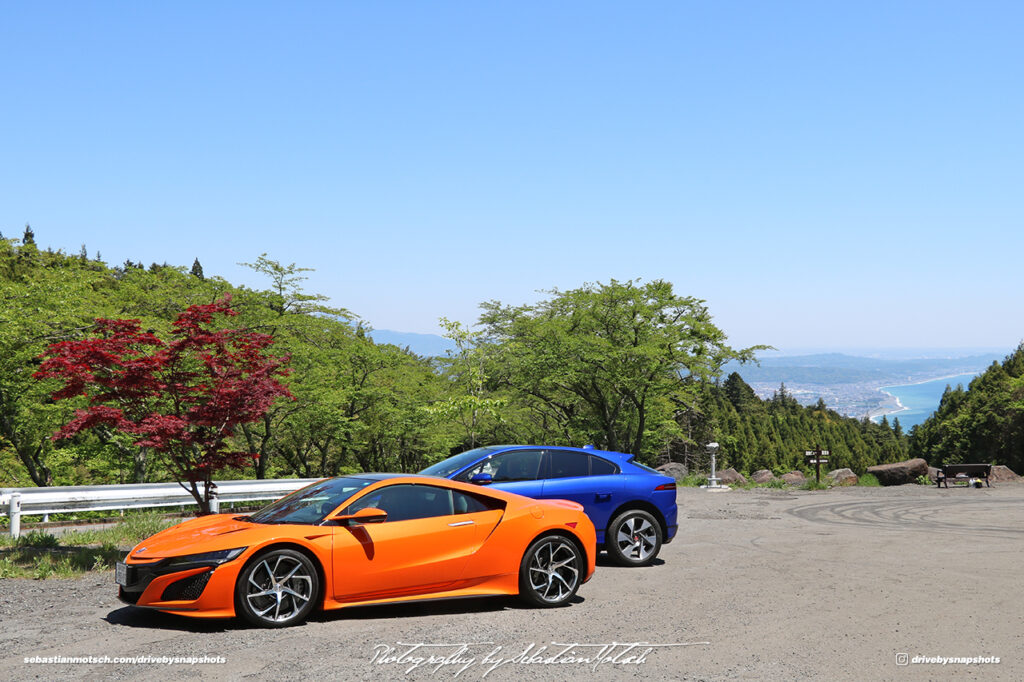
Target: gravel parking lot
761	584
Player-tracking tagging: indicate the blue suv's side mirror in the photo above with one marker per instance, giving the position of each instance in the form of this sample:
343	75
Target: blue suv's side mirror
482	479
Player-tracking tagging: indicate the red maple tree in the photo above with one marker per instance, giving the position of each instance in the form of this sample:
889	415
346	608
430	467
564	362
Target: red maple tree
183	398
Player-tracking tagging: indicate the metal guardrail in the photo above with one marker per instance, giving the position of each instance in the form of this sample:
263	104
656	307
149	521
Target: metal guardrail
16	502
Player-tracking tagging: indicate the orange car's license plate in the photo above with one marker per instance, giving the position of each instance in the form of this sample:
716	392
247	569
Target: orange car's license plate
120	573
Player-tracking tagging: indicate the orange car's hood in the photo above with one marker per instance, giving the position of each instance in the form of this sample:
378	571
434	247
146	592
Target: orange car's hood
205	534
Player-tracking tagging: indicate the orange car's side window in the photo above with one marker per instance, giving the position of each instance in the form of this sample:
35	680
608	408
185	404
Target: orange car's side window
405	502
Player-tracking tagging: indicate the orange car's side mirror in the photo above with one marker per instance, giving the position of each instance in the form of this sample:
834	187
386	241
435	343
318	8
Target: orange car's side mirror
364	515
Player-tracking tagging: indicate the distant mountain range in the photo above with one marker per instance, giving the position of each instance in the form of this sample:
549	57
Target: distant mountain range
823	369
828	369
847	383
428	345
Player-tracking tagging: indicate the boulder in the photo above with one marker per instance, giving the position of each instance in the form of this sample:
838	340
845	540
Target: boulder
900	473
794	478
843	477
676	470
731	477
1002	474
762	476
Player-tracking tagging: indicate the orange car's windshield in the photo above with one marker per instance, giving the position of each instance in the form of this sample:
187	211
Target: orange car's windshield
311	504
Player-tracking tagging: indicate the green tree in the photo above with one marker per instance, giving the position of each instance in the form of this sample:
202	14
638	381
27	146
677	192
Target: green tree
984	423
44	298
466	369
603	361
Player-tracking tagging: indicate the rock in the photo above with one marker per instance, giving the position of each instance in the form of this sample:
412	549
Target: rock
676	470
900	473
933	473
843	477
794	478
731	477
762	476
1002	474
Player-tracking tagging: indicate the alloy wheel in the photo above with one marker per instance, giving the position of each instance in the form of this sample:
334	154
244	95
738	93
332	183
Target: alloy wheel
553	573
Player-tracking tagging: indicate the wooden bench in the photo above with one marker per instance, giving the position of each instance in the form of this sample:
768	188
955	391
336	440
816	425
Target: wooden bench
964	472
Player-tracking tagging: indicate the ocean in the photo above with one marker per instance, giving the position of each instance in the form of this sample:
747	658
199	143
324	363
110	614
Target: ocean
921	400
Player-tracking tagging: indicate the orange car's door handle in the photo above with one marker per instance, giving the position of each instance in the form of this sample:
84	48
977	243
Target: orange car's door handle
461	523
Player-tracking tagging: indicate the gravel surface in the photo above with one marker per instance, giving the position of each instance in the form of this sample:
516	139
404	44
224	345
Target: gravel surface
760	585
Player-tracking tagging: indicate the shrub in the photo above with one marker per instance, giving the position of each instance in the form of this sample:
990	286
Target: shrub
869	481
37	539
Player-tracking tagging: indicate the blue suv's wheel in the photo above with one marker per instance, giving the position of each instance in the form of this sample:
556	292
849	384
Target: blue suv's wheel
633	538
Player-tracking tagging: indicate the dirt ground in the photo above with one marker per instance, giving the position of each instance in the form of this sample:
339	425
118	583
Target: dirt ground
762	584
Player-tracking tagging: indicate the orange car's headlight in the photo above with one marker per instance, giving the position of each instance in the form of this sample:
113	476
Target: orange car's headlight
216	558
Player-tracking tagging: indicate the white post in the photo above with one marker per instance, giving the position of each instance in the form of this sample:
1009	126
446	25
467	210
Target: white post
214	503
713	481
14	514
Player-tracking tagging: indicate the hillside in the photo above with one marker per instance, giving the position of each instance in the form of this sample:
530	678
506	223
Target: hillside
982	423
361	404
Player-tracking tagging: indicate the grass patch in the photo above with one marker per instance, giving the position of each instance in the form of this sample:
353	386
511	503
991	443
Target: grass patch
40	555
869	481
692	481
58	562
131	531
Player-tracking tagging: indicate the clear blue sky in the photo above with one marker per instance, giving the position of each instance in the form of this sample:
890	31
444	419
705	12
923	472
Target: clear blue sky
828	174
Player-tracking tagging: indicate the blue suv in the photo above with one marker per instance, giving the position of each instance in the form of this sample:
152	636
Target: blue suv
633	507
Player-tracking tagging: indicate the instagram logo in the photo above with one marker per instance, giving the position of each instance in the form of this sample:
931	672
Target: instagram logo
902	659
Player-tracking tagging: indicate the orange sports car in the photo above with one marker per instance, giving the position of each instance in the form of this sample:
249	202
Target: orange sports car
363	539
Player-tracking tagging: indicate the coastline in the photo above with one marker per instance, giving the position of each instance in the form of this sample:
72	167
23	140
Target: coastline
928	381
884	410
887	408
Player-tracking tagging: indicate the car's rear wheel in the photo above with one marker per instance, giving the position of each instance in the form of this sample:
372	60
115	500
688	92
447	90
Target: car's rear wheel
277	588
633	538
551	571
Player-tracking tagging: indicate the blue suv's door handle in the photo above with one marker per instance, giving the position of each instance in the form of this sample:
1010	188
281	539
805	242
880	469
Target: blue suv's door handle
602	497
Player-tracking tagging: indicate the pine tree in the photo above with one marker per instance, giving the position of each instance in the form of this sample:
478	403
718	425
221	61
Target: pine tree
83	255
30	236
197	269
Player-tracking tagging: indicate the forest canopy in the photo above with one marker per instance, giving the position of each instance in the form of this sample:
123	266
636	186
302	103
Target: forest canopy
631	366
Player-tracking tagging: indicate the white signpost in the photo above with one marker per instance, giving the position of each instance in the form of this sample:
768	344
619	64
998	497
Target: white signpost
817	457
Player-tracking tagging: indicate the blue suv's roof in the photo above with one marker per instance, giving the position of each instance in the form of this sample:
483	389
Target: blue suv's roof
609	454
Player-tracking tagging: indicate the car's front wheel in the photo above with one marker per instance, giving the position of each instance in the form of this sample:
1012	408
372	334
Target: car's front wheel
551	571
633	538
277	588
